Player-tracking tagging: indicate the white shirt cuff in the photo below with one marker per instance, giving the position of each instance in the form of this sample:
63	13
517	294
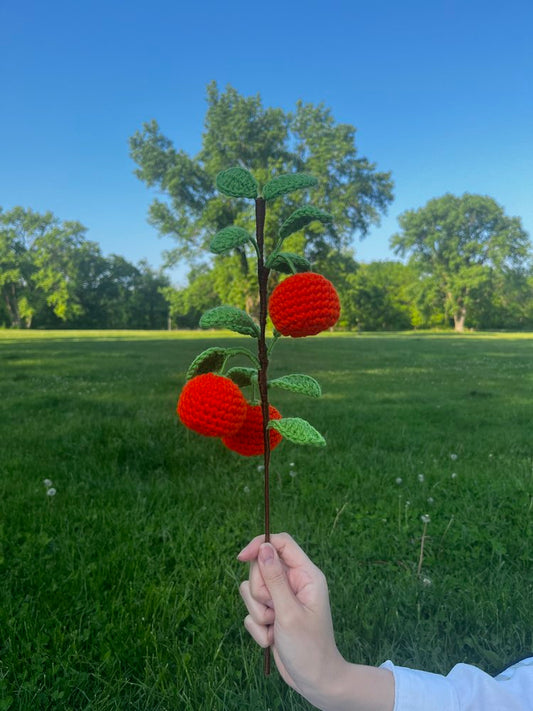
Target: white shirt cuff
416	690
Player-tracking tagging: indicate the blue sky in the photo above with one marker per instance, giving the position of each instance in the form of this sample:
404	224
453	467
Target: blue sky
440	91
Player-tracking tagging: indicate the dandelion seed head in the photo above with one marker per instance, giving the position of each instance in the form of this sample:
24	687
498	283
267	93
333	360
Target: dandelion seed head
292	473
426	582
292	464
399	480
425	518
51	491
454	475
420	478
246	489
47	483
453	457
431	500
260	467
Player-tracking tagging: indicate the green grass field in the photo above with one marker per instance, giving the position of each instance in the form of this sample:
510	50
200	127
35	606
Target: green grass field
120	592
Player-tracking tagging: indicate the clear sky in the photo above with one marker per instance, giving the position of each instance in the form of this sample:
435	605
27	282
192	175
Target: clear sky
440	91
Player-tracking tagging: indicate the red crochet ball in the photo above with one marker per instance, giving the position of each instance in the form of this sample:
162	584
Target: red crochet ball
212	405
303	305
249	441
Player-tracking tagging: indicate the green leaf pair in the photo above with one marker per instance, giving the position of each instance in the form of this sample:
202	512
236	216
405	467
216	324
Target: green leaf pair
239	182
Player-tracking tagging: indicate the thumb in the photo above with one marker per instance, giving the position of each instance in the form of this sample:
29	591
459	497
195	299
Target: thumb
275	578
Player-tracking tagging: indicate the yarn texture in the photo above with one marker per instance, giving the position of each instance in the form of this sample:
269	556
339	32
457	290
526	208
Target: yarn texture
232	318
288	263
298	431
237	182
303	305
212	405
284	184
248	440
229	238
301	218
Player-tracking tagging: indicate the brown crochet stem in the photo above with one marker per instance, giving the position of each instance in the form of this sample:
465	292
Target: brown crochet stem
262	275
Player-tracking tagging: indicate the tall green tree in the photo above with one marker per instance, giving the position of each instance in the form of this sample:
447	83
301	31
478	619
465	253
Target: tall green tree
459	246
37	262
267	141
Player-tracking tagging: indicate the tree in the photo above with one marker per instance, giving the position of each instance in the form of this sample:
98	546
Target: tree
458	247
187	305
378	297
117	294
37	256
267	141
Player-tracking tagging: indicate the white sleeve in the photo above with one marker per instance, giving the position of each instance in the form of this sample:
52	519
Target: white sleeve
466	688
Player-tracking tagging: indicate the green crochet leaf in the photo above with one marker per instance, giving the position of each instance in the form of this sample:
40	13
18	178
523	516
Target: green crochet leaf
298	431
298	383
237	182
284	184
209	361
228	238
288	263
242	376
231	318
301	218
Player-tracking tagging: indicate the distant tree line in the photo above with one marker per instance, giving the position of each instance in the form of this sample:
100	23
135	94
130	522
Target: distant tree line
51	276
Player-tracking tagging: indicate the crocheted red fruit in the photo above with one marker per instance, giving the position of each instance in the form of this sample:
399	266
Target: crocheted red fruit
303	305
212	405
248	440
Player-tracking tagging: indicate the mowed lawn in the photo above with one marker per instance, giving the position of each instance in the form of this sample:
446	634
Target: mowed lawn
121	591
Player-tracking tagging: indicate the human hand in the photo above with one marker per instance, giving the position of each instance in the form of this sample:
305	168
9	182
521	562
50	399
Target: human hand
288	604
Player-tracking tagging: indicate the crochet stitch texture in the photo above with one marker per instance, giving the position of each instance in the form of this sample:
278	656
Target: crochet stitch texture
303	305
248	440
212	405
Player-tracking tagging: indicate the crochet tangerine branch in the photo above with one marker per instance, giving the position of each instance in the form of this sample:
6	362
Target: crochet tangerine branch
303	304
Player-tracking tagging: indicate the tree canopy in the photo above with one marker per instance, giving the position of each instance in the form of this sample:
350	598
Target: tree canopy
240	131
461	247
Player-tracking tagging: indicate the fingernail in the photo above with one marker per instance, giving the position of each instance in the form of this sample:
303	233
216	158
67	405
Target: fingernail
266	553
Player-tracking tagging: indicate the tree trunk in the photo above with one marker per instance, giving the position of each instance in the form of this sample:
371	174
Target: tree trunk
12	306
459	320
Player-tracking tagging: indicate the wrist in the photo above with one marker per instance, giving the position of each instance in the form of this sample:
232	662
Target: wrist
354	687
